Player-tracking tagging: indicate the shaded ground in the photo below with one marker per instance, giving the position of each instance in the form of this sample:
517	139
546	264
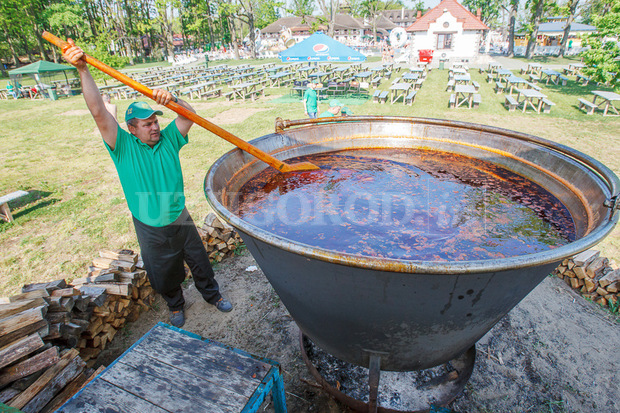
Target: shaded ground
554	352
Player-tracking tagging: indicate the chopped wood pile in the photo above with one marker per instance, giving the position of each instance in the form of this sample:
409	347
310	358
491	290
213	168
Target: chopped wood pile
51	333
219	238
595	277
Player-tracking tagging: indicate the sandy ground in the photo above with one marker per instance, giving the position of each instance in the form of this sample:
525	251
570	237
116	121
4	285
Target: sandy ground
554	352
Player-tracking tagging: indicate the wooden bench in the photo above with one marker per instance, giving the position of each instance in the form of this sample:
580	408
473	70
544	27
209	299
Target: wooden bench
450	85
229	95
591	107
383	96
546	105
476	85
582	80
564	80
511	103
452	101
388	74
375	82
410	97
173	370
375	96
256	93
499	87
534	78
490	77
396	80
211	93
534	86
477	100
5	210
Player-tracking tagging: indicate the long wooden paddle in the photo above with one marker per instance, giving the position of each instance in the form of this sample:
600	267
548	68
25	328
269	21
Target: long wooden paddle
241	144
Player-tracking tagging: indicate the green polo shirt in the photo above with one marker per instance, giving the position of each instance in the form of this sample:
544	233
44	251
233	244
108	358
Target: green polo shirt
326	114
310	97
151	177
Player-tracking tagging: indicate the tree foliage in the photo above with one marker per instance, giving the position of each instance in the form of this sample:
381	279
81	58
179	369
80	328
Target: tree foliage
489	8
603	57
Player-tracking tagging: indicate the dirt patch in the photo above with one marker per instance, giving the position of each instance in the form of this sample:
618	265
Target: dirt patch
554	352
234	115
76	112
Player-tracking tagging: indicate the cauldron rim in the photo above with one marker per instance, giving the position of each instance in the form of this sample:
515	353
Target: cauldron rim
430	267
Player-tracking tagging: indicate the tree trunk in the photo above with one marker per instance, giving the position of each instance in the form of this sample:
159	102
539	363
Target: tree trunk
514	8
572	7
14	55
531	44
233	35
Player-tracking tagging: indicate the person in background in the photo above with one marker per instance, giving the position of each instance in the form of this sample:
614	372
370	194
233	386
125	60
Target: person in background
110	107
311	101
149	168
11	89
334	109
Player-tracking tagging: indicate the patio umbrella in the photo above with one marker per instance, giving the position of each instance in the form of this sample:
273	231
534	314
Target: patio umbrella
320	48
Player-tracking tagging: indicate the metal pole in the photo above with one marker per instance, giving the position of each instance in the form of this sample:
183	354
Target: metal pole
374	371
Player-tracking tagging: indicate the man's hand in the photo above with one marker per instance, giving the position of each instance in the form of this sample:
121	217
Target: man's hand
74	55
162	97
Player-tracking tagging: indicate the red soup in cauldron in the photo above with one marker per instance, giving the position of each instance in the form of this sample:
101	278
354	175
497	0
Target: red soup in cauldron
407	204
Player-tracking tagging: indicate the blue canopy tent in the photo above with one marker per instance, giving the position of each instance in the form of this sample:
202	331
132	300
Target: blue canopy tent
320	48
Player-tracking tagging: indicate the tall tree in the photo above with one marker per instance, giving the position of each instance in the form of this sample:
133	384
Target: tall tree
513	9
489	9
595	8
602	58
537	9
372	9
570	8
330	9
301	8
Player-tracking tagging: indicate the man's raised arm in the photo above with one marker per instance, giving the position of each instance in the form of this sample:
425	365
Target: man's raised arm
105	121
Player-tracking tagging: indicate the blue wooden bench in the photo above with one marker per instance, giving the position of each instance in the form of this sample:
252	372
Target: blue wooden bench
591	107
383	96
511	103
452	101
172	370
410	97
5	210
499	87
546	105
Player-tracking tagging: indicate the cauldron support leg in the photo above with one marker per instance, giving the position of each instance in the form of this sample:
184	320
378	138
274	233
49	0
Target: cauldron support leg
374	371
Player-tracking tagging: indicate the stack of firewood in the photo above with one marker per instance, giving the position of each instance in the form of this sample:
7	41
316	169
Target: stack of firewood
35	374
595	277
219	238
120	290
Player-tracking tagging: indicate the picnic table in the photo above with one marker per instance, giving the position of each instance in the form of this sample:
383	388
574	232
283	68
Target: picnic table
319	76
533	68
410	77
457	71
515	82
245	90
530	97
278	78
398	90
305	71
363	75
462	79
340	72
550	75
464	94
607	99
5	210
503	74
493	67
574	68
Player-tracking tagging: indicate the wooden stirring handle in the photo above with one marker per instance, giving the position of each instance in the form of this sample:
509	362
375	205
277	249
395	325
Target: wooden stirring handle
222	133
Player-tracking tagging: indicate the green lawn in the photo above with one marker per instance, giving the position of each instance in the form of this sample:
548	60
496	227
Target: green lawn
76	206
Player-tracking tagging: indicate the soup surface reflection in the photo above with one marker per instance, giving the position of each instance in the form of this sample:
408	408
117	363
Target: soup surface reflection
408	204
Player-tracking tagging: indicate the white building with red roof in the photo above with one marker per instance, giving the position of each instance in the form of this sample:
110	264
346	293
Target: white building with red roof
450	30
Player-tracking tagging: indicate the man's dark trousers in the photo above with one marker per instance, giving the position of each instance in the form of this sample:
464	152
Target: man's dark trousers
163	251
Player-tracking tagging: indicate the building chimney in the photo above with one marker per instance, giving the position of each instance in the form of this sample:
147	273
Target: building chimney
479	14
419	14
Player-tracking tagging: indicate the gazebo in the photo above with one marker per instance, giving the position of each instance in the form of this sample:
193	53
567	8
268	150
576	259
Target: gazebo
42	72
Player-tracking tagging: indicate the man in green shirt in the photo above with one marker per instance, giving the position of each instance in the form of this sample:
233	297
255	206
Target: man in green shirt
311	100
148	165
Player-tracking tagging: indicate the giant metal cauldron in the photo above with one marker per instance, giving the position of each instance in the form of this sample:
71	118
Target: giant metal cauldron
413	314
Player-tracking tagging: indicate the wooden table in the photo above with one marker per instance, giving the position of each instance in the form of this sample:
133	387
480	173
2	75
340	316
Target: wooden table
172	370
515	82
493	67
550	75
244	90
399	90
530	97
574	68
607	99
410	77
462	79
464	94
319	76
533	68
277	78
503	74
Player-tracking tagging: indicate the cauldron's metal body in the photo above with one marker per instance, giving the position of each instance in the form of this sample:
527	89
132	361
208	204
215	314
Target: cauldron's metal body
413	314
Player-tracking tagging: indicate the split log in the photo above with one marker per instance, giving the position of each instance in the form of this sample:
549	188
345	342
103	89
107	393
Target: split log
97	294
111	276
40	327
19	306
610	278
65	292
29	295
96	272
21	320
596	267
613	287
580	272
72	388
29	366
60	304
120	255
123	289
586	257
109	263
20	348
48	286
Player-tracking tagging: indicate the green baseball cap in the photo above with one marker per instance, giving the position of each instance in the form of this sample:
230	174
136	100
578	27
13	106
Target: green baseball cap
140	110
335	102
346	111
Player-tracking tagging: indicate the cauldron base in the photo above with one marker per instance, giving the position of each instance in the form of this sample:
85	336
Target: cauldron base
438	391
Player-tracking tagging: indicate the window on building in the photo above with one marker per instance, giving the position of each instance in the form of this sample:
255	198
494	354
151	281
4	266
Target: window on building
444	41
